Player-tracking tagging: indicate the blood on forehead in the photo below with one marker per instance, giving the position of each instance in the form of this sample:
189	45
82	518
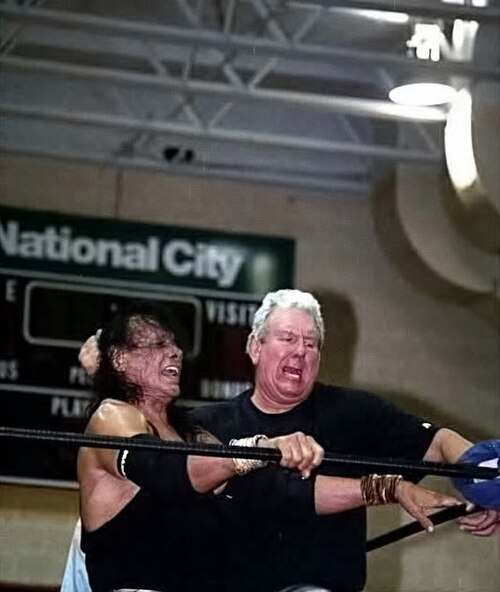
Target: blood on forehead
147	332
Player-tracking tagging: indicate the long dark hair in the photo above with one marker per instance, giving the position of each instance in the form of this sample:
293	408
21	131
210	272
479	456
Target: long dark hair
120	334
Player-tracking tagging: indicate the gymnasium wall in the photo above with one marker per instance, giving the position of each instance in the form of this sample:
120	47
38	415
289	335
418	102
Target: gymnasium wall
432	354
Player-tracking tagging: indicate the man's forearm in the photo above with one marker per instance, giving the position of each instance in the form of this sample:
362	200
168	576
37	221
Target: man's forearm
336	494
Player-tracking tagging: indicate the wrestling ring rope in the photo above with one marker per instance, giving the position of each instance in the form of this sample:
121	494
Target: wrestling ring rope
393	465
370	464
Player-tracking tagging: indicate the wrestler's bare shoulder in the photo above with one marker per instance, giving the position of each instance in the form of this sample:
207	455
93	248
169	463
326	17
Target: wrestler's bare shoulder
117	417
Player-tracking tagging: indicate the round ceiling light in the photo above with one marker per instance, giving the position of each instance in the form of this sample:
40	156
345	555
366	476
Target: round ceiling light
422	94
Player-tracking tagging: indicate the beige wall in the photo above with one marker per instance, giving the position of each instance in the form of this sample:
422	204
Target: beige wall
382	333
36	525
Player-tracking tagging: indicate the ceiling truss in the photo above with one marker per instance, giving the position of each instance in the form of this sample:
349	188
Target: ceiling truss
257	90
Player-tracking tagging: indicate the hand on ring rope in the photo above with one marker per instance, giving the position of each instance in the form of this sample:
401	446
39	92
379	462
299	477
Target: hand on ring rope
298	451
420	502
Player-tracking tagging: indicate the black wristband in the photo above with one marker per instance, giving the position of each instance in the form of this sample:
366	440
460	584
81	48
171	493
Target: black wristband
163	474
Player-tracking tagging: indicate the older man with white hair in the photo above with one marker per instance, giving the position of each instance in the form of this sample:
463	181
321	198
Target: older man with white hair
284	531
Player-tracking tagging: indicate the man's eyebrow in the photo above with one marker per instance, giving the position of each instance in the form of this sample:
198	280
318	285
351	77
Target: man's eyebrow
308	335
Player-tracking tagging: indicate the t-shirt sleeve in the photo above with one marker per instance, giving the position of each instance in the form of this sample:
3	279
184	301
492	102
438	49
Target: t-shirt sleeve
393	432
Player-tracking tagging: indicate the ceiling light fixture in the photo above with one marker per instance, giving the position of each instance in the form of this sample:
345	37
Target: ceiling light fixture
476	3
425	44
422	94
385	16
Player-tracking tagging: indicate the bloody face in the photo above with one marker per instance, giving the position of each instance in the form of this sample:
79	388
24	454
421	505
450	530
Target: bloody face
152	361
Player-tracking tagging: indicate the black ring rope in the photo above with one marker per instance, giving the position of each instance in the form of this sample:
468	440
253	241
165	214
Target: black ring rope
414	527
392	536
393	465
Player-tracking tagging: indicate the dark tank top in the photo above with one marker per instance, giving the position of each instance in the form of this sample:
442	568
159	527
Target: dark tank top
154	546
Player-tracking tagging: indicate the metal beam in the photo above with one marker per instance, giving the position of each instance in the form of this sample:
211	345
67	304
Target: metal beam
388	153
333	104
262	46
326	186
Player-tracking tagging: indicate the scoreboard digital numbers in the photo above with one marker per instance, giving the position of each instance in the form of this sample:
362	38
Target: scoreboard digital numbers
62	277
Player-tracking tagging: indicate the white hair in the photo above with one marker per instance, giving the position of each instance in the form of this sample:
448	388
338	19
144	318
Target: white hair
287	299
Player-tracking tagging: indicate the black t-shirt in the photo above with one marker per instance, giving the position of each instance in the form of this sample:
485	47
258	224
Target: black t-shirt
273	537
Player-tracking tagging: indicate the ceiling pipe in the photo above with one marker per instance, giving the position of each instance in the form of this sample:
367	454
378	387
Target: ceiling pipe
336	104
299	51
388	153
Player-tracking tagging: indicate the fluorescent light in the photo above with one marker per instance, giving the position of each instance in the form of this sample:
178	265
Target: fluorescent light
458	145
385	16
476	3
422	94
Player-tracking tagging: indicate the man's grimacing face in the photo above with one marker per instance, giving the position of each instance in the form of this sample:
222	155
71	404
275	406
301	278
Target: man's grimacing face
287	358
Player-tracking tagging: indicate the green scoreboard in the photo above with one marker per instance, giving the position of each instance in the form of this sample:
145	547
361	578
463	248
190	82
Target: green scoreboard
61	277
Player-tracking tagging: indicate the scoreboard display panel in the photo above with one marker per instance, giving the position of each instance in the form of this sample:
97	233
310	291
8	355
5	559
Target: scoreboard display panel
61	314
48	310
